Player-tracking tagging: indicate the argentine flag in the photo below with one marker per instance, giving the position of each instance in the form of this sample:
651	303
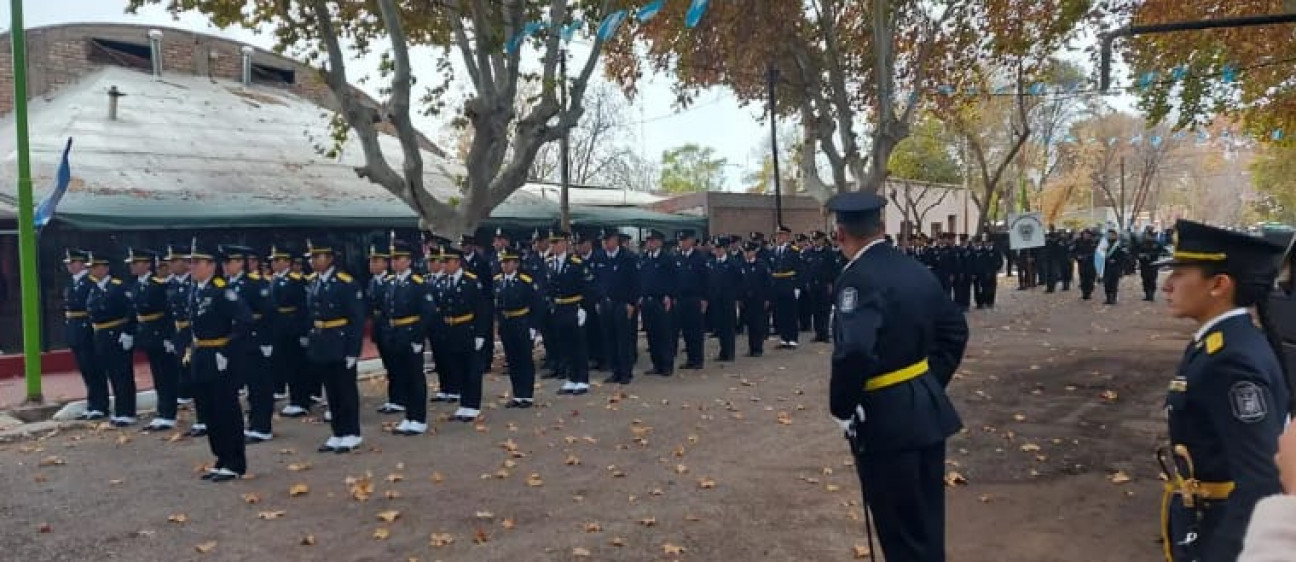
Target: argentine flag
647	12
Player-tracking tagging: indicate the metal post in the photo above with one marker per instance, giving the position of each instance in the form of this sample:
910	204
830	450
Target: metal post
1120	213
564	146
778	189
29	280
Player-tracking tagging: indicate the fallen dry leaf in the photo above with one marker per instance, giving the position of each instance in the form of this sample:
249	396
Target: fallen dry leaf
480	537
508	523
308	540
534	480
617	541
706	483
1119	477
593	527
1019	417
299	466
648	521
179	518
381	534
485	515
954	479
437	478
389	515
395	477
206	547
672	550
691	517
442	539
45	528
572	460
123	439
267	515
251	498
832	487
52	461
391	494
1030	448
681	469
580	552
784	418
860	551
1109	395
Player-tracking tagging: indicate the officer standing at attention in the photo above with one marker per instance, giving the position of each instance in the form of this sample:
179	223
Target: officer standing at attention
1085	248
290	325
1149	252
375	300
585	250
1114	264
723	280
336	306
1227	402
657	286
569	281
80	336
462	335
819	283
112	315
218	320
154	329
515	298
754	294
617	289
785	264
896	344
479	265
251	355
409	311
691	302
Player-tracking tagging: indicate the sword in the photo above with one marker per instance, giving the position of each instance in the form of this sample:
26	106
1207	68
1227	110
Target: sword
857	449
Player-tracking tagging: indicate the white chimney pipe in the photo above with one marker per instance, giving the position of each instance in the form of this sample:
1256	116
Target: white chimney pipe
247	65
155	51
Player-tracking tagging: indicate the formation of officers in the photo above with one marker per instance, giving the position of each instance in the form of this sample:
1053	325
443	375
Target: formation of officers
222	322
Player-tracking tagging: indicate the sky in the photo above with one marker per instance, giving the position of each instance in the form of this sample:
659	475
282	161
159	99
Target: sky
715	120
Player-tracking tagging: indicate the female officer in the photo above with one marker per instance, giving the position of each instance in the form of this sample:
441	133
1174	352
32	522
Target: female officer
1228	400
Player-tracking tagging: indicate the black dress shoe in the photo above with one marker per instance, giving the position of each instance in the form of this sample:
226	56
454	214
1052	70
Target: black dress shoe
253	440
579	391
326	448
465	419
562	391
756	354
225	476
612	379
691	366
344	450
552	375
208	475
197	433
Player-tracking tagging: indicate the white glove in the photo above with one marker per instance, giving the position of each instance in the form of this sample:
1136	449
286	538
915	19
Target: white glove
305	342
221	362
796	293
266	350
417	347
580	317
350	362
845	425
168	346
127	341
478	343
534	334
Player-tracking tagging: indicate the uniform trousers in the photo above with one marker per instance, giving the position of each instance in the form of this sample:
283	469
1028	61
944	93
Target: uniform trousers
395	390
804	316
515	335
820	308
785	315
165	367
1088	277
724	318
572	354
343	396
405	379
447	383
756	322
692	326
254	368
96	381
905	491
661	343
216	394
593	335
619	337
963	290
486	355
1149	276
455	366
289	363
1111	280
118	368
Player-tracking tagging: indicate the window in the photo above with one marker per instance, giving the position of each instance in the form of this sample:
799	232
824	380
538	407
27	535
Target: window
275	76
953	222
120	53
936	229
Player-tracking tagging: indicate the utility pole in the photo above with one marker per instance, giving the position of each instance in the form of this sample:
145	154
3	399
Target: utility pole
774	153
29	280
564	145
1120	213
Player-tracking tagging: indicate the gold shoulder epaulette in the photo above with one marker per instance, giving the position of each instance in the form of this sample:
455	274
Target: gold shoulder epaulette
218	282
115	281
470	275
254	276
1214	342
498	276
158	280
345	277
417	278
525	278
575	259
295	276
312	276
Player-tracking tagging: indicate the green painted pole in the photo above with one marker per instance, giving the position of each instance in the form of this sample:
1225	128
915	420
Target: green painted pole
26	210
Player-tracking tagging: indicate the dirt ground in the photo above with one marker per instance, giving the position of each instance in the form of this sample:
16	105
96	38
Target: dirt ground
1061	399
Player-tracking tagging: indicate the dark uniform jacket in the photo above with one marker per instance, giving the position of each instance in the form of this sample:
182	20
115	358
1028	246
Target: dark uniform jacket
657	275
459	300
756	281
691	275
1227	405
570	284
785	266
890	315
291	322
614	277
179	290
408	311
77	322
111	312
337	314
154	324
516	297
254	290
216	312
375	296
724	279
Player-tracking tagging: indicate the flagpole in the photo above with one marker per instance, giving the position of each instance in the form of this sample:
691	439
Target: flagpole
26	224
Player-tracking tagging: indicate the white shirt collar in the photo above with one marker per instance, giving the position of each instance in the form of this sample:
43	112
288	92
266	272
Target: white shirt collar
1201	332
510	276
404	274
169	277
144	278
327	273
688	252
613	253
202	284
82	275
560	257
104	282
184	278
281	274
235	278
862	250
723	258
458	275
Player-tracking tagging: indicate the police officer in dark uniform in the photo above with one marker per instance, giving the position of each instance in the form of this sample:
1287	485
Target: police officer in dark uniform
476	263
375	300
723	281
569	284
785	266
462	334
1065	271
251	356
179	288
617	288
963	257
219	319
290	325
335	302
154	330
1114	265
1051	257
588	253
112	316
804	247
1149	252
535	264
989	262
515	299
1227	402
691	299
657	286
896	345
822	269
1084	250
409	310
80	336
754	294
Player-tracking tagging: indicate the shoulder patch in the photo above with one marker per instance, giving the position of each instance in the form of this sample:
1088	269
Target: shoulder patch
470	275
218	282
1214	342
524	277
849	300
416	277
1247	400
345	277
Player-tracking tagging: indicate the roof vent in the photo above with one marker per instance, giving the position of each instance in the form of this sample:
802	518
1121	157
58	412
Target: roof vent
247	65
113	94
155	50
